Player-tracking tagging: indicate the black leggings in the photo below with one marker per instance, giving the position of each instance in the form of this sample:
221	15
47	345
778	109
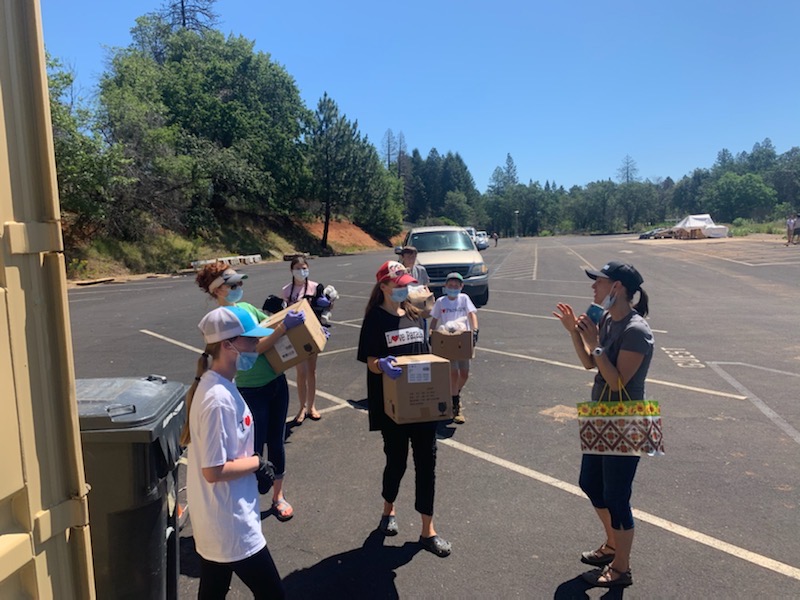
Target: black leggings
270	405
257	572
423	446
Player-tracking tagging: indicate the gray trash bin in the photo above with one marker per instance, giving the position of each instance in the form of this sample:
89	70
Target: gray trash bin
130	432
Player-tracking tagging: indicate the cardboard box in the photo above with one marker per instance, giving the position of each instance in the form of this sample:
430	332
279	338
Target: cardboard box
422	393
299	343
452	346
422	298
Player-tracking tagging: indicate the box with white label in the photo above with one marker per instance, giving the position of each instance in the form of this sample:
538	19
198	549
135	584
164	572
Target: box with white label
299	343
421	393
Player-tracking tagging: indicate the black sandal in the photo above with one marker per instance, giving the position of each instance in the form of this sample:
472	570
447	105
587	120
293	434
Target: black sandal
438	546
598	558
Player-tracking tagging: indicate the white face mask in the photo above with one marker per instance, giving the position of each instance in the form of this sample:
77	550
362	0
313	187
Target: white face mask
300	274
609	300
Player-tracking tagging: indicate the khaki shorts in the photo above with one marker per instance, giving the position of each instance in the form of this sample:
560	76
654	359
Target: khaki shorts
459	365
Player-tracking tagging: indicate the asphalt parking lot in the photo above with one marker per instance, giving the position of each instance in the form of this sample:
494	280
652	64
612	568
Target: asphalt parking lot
717	517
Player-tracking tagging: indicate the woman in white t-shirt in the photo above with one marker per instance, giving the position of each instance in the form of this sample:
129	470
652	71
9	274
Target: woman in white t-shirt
451	309
222	491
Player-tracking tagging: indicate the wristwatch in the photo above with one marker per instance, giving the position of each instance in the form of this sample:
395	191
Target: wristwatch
598	351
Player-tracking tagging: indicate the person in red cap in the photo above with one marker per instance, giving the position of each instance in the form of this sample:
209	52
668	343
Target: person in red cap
393	327
620	346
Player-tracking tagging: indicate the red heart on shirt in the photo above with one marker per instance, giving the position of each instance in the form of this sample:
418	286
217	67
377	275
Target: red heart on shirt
247	420
395	338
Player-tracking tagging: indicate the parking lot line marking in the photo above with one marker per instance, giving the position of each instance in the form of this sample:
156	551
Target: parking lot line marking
696	536
535	261
329	352
171	341
778	420
580	368
105	289
530	316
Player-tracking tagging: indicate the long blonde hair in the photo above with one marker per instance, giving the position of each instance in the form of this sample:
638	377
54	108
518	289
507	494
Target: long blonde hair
211	351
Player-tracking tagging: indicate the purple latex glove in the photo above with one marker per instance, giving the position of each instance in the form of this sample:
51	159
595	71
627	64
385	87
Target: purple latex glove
294	318
327	333
323	302
385	365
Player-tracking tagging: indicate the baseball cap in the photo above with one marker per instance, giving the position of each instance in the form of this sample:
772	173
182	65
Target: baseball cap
395	272
228	322
615	270
228	277
453	275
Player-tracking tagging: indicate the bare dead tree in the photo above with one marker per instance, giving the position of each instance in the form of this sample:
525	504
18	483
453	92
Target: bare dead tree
196	15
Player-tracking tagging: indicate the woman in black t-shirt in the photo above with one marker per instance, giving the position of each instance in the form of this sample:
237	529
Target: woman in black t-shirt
392	327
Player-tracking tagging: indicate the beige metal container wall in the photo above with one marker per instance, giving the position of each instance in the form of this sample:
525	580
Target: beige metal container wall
45	547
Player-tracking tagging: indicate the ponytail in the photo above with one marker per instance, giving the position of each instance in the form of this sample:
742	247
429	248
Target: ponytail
211	351
643	306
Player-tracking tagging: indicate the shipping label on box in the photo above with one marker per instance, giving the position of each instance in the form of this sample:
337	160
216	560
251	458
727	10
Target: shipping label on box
422	393
453	346
297	344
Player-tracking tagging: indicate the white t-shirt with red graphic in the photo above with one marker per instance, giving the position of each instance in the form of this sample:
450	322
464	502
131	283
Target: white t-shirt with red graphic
446	310
225	515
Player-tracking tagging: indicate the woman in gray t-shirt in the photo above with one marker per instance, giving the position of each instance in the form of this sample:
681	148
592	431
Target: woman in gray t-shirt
620	347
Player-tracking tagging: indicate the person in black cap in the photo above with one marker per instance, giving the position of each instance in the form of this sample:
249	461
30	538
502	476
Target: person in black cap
621	347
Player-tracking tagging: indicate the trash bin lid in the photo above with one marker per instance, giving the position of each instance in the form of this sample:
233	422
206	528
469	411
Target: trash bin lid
135	405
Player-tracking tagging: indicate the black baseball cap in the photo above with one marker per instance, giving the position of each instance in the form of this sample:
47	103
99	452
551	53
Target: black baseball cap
626	274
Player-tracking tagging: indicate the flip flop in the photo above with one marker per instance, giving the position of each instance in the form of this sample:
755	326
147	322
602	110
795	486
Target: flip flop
301	416
314	416
282	509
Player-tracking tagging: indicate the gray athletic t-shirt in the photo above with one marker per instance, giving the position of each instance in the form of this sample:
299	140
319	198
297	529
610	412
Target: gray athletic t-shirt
631	333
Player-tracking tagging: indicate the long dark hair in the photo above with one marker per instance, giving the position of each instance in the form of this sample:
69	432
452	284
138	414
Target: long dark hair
376	299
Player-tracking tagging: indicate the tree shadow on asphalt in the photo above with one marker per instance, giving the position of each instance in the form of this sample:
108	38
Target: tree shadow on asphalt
365	572
576	588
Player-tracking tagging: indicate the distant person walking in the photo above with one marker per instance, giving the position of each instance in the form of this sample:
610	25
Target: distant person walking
495	237
224	475
790	222
620	347
796	229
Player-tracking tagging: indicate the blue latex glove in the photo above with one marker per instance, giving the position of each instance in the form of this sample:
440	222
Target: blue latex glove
294	318
327	333
385	365
323	302
474	337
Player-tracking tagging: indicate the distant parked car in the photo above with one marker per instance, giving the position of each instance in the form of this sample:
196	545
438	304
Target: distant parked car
444	250
481	240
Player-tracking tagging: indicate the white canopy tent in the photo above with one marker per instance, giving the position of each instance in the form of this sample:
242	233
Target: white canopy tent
699	226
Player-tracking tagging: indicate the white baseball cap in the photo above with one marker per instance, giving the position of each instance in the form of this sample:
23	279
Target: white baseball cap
228	322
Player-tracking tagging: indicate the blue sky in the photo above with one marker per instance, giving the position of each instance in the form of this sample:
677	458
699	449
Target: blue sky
567	88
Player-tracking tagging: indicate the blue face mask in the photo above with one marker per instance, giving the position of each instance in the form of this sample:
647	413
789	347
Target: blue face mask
451	293
300	274
245	360
235	295
399	294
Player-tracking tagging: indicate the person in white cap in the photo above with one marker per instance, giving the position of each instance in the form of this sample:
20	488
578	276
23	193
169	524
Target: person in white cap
224	475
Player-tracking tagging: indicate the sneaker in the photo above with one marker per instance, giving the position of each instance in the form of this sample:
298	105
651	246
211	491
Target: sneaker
458	418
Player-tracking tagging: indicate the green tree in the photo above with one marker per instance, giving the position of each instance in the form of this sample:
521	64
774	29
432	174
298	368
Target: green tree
734	196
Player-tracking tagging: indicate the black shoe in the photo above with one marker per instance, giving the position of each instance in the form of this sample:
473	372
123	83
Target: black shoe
438	546
598	558
622	579
388	525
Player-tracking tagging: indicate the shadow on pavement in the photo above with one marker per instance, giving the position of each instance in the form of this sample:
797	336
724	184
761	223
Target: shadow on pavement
575	589
366	572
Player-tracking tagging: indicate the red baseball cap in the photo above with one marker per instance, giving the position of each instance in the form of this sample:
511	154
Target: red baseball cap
395	272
